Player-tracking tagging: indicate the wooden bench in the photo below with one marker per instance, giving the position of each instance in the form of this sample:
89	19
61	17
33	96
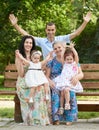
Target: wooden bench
10	77
90	82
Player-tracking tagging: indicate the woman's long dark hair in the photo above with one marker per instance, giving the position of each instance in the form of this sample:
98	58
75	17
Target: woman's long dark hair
21	45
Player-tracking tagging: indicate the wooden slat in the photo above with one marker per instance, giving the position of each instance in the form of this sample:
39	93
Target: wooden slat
10	83
91	75
90	85
88	94
10	75
90	66
7	92
10	67
88	106
92	107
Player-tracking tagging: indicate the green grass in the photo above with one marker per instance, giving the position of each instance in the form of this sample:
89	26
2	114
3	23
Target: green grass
9	113
87	115
6	112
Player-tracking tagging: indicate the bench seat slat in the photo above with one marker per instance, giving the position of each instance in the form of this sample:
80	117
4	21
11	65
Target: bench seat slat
88	106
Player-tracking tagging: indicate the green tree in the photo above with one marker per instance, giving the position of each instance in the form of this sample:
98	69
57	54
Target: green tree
94	51
34	14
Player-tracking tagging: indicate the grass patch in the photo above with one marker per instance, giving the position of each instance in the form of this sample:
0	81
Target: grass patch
87	115
7	97
9	113
6	112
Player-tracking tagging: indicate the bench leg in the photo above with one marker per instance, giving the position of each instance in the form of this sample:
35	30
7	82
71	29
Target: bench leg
17	114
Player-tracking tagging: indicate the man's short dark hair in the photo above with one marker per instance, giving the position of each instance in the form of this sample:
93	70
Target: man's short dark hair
50	24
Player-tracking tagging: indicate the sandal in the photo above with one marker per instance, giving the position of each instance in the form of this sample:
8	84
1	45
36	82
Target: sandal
61	110
67	106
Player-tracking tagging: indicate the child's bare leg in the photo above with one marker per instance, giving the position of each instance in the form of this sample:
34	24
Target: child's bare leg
61	109
31	94
46	87
67	99
61	98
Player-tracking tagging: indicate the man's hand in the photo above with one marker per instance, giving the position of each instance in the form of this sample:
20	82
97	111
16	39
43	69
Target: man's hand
87	17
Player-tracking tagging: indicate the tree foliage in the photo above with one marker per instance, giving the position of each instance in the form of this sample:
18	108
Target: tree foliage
33	16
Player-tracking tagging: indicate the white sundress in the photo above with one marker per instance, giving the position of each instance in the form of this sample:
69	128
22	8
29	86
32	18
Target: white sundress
34	75
63	80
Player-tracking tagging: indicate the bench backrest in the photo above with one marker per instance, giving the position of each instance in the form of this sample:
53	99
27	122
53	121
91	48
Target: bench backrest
91	76
90	80
10	76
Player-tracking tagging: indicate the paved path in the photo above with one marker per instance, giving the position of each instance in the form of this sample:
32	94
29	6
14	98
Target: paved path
91	124
6	104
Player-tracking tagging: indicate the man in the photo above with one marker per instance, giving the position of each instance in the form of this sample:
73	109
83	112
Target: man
46	43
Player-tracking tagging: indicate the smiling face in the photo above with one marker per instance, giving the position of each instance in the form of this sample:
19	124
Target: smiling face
58	48
50	31
69	59
28	44
69	56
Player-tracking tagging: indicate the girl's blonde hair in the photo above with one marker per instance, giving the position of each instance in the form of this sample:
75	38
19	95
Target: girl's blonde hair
36	52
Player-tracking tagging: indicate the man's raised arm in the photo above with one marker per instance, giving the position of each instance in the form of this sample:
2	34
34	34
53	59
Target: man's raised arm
82	27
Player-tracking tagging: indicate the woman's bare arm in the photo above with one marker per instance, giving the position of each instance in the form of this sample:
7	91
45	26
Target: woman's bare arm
19	66
51	83
14	21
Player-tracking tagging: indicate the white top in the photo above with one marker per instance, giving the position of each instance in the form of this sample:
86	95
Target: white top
35	76
62	81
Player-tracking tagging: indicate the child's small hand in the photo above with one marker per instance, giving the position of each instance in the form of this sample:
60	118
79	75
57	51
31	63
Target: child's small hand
74	80
17	53
50	55
72	44
52	84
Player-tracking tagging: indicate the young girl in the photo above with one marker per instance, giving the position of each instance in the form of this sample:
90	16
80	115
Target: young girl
63	81
34	76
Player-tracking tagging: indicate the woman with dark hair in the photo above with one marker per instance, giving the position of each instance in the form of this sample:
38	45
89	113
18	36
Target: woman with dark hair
21	46
36	113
